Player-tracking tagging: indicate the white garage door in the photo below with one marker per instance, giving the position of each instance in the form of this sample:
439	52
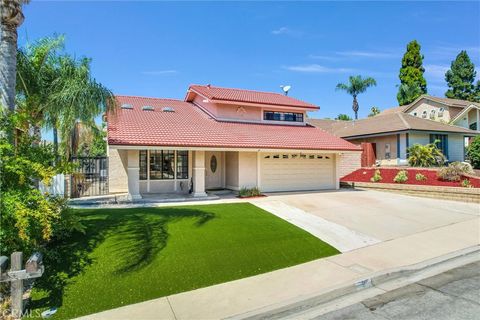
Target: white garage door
295	171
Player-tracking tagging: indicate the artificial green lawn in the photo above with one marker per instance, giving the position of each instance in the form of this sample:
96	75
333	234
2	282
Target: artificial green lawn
133	255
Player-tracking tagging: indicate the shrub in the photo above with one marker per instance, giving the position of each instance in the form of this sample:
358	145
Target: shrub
376	176
249	192
401	177
466	183
473	152
29	219
420	177
454	171
425	155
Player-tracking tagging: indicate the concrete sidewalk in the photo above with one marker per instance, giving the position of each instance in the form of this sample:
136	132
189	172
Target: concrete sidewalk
288	285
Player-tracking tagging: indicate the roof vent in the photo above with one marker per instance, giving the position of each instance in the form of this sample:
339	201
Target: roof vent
168	109
148	108
126	106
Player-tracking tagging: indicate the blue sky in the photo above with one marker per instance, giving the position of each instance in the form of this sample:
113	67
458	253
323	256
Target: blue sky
158	48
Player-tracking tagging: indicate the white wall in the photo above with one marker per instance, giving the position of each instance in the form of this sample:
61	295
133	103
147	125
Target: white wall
247	169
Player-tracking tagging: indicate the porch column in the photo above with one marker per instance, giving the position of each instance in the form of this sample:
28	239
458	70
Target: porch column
199	174
133	172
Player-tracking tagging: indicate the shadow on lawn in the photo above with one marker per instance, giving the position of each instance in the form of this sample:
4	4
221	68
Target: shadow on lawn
140	234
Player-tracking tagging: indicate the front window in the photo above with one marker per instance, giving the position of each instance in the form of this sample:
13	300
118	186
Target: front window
473	126
283	116
441	140
143	164
182	164
161	164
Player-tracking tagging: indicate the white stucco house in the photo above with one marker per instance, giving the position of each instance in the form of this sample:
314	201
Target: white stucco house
221	138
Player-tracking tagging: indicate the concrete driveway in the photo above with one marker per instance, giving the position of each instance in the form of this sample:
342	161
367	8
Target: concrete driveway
350	219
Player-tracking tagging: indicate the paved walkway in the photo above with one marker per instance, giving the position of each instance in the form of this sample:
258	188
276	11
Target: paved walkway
425	240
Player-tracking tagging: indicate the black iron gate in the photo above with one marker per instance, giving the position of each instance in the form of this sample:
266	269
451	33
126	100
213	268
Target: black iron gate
90	177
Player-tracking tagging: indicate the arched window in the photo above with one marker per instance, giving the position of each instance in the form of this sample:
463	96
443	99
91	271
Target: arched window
432	114
440	112
424	114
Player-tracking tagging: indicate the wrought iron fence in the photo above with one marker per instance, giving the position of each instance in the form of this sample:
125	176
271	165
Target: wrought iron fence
90	177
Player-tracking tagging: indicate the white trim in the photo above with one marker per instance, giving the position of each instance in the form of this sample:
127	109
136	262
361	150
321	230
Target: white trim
259	170
135	147
461	114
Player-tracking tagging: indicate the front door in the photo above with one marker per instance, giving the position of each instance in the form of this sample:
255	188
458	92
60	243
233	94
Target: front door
213	170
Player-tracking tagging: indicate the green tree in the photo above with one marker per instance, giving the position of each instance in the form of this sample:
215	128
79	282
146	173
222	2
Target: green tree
460	79
409	92
355	86
411	73
343	117
473	152
56	91
11	17
374	111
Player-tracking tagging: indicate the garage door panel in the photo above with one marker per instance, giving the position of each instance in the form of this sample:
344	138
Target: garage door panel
292	172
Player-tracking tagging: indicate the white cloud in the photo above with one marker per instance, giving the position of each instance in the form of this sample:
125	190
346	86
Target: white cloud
316	68
286	31
159	72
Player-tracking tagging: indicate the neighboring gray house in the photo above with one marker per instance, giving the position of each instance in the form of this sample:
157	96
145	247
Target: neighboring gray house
391	133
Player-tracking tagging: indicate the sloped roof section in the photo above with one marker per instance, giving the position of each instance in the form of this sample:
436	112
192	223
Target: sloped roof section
248	96
456	103
186	125
385	123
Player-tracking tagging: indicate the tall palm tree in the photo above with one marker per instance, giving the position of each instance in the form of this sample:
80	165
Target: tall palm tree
355	86
36	66
76	97
11	17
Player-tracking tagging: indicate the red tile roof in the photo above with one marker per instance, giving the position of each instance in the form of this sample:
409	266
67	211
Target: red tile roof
189	126
249	96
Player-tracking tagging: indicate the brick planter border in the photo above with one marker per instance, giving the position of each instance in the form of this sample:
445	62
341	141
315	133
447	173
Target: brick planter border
437	192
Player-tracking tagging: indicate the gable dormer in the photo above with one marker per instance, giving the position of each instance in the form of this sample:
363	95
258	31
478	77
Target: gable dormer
226	104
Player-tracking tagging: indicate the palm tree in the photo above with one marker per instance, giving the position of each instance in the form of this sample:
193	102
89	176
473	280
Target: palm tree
11	17
76	97
56	92
36	65
408	93
355	86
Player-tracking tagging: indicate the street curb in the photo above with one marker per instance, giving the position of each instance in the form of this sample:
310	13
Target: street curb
304	303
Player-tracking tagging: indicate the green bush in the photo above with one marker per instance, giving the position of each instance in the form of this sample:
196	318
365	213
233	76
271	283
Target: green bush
420	177
29	219
473	152
401	177
376	176
466	183
249	192
425	155
454	171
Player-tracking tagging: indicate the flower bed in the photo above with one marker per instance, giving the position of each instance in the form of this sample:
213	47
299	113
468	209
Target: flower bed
388	174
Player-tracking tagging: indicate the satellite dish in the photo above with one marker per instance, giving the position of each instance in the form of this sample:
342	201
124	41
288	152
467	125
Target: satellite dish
285	89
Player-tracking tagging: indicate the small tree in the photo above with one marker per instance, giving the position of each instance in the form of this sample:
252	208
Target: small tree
460	79
425	155
343	117
374	111
411	74
473	152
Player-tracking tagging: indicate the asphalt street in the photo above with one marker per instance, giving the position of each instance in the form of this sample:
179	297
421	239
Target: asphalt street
452	295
